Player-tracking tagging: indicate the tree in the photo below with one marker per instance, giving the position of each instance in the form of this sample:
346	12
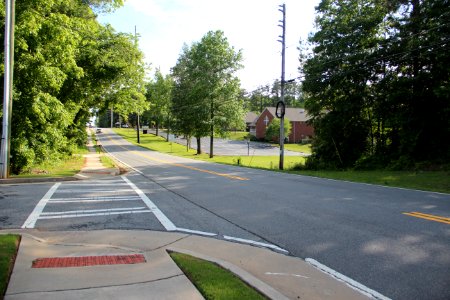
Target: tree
273	130
159	93
207	89
337	76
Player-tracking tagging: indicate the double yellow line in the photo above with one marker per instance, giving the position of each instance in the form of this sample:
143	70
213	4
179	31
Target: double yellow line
180	165
428	217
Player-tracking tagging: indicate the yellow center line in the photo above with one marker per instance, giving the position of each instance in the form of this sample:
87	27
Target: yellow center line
428	217
180	165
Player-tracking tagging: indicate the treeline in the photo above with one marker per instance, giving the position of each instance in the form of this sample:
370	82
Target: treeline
67	64
269	95
376	80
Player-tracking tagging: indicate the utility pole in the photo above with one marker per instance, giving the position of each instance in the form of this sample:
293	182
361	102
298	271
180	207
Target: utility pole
7	89
281	105
137	113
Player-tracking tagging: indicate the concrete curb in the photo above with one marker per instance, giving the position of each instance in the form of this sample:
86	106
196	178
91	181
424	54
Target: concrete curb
38	179
254	282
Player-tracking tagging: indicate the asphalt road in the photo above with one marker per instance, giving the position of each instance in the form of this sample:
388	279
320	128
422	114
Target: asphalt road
358	230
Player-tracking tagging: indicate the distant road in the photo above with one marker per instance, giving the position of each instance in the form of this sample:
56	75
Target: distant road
232	147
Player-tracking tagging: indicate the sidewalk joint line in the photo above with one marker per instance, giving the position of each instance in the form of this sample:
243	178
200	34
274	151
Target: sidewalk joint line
98	287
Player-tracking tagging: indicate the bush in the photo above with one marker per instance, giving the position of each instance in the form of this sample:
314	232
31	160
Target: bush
273	131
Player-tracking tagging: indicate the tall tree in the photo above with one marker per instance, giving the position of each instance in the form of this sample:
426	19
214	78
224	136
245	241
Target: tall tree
159	93
207	69
337	76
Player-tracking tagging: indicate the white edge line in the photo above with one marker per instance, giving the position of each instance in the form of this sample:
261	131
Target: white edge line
168	225
286	274
350	282
32	218
196	232
94	214
122	162
255	243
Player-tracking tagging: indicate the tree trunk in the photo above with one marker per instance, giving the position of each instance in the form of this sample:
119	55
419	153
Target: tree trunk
199	146
168	130
211	138
157	128
211	143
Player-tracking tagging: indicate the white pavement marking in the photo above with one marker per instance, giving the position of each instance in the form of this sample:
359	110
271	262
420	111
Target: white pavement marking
350	282
196	232
286	274
168	225
83	184
96	214
91	211
265	245
95	191
32	218
94	199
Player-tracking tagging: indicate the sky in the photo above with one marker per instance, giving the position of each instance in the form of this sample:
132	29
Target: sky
163	26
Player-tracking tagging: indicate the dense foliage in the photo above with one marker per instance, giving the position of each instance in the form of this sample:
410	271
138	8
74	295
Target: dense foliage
377	83
66	64
159	94
273	130
206	90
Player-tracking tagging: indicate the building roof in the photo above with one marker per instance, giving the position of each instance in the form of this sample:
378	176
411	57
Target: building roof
250	117
293	114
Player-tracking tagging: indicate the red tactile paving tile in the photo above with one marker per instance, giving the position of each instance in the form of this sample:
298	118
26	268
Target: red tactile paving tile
84	261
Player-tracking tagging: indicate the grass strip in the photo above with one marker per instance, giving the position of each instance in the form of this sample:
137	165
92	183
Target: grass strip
107	161
212	281
62	168
437	181
9	243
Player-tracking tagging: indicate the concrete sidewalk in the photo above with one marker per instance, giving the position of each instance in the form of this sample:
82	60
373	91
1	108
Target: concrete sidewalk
93	166
276	275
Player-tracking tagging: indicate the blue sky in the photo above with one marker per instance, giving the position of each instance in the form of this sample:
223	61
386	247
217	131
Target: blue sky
251	25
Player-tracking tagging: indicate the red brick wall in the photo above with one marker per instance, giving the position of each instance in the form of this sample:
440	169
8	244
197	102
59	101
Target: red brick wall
261	126
299	131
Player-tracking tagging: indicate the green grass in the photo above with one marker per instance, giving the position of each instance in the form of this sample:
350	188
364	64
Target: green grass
237	135
62	168
438	181
212	281
298	148
9	244
107	161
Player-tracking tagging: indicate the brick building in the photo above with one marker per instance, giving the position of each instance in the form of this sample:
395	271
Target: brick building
298	117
